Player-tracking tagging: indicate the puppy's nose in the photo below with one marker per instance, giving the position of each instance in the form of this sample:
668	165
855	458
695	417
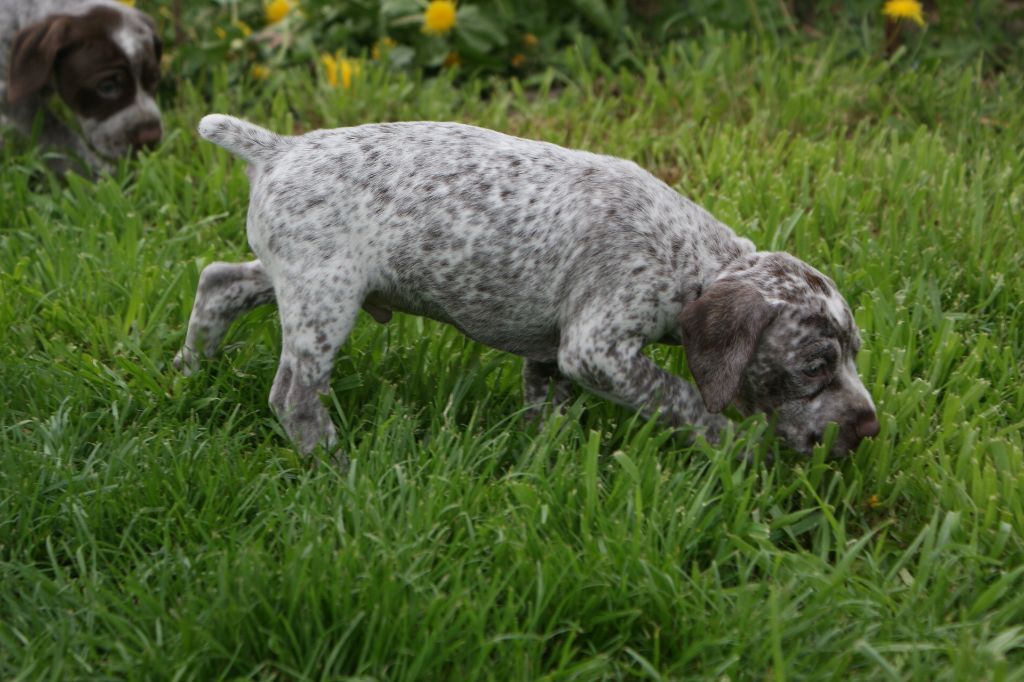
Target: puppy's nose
146	135
867	426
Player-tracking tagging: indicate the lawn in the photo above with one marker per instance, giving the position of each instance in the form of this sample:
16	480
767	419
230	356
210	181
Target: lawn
154	526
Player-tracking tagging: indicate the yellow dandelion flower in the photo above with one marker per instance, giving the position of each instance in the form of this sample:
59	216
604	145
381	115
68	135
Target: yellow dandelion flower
439	17
349	69
276	10
873	501
530	40
243	27
518	60
904	9
260	72
339	70
452	59
221	33
130	3
330	69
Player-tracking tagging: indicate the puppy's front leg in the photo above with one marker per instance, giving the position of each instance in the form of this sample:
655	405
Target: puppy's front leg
615	368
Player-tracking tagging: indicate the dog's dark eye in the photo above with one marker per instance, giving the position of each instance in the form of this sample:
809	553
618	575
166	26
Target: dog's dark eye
109	88
815	370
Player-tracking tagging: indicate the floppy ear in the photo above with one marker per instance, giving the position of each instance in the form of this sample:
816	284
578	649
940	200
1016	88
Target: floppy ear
158	45
35	49
720	331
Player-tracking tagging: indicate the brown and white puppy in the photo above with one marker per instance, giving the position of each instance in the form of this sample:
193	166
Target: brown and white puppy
101	57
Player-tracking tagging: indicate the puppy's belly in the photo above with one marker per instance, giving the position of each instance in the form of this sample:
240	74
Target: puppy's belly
502	324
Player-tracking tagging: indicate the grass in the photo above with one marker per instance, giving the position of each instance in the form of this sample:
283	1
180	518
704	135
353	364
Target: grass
160	527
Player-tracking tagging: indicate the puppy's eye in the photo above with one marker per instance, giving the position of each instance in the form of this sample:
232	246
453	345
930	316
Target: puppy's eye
109	88
815	370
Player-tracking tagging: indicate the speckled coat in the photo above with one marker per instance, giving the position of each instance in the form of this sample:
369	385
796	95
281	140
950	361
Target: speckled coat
572	260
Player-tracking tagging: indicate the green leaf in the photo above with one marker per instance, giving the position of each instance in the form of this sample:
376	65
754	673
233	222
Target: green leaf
478	33
401	56
397	8
597	13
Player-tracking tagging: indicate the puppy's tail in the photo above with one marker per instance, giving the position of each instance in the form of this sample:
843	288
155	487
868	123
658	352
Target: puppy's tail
248	141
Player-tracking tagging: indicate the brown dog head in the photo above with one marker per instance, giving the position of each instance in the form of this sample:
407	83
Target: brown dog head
104	63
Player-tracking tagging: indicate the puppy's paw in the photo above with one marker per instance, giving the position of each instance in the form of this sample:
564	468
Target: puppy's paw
315	432
186	361
714	428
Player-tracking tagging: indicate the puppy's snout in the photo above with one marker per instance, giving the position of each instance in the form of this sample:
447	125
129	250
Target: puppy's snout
864	424
867	427
147	135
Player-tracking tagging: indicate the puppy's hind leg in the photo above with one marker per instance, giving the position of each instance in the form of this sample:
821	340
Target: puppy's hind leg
542	380
315	321
226	290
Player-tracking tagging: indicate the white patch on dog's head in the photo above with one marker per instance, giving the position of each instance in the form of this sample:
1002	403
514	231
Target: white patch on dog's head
133	37
836	307
128	41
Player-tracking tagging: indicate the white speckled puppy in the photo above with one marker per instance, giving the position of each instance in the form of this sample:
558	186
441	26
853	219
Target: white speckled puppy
572	260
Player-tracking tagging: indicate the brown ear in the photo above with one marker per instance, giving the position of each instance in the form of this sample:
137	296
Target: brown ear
720	331
158	45
35	49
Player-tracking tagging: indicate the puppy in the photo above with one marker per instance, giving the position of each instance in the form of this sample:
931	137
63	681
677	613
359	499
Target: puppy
572	260
101	57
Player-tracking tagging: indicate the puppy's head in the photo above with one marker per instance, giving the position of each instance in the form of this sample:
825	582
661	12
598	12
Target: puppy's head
104	63
773	335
